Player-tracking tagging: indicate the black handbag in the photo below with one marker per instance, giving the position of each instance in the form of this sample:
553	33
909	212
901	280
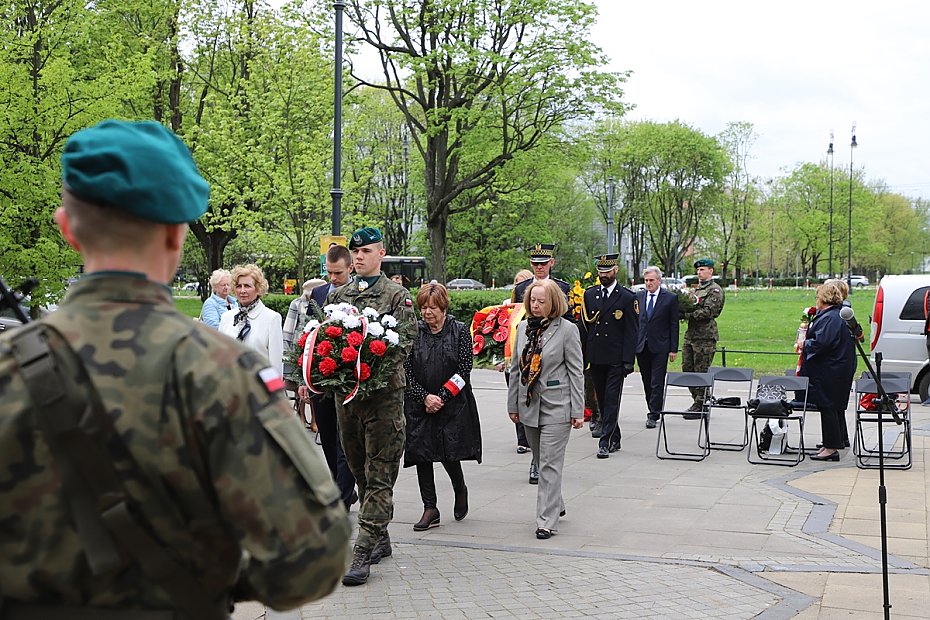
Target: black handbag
771	401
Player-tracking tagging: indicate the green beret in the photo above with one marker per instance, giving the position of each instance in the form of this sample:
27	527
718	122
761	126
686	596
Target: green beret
365	236
141	168
704	262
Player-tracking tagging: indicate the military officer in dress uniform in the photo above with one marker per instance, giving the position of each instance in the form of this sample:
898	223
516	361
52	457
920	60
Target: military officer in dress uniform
609	320
542	258
700	341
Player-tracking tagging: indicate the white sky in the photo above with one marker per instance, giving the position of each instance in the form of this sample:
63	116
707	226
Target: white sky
794	69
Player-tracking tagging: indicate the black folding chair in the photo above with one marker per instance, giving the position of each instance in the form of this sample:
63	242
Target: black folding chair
790	456
742	378
690	380
898	384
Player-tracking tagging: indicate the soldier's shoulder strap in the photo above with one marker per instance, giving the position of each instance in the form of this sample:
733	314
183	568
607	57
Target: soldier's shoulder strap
72	422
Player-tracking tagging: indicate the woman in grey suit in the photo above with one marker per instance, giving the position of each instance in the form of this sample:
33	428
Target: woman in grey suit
546	392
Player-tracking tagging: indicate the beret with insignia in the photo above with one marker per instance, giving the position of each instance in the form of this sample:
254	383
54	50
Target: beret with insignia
704	262
140	168
365	236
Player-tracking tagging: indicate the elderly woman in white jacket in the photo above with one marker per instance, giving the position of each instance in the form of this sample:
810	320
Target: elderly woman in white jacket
546	392
254	324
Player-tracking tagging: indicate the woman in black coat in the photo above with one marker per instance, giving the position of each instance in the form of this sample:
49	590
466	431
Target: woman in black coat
440	408
829	362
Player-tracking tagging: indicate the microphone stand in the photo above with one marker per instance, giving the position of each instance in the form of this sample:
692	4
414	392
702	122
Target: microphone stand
886	404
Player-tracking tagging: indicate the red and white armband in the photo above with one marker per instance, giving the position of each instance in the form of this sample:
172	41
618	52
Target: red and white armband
454	385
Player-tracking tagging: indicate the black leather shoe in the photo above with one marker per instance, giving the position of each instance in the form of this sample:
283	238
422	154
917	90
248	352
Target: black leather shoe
429	519
460	509
534	473
382	549
603	453
360	569
650	423
543	534
830	457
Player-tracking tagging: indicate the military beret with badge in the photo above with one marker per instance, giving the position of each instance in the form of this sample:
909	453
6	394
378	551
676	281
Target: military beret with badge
365	236
704	262
140	168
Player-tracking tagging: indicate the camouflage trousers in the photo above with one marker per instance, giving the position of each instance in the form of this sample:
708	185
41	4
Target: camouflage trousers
696	356
372	433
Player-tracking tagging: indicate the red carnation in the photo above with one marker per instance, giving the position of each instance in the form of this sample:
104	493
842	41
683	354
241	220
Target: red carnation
333	331
349	354
354	338
302	341
324	348
327	366
364	371
479	344
377	347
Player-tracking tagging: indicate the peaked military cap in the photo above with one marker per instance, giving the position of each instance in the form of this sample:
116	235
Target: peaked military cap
704	262
542	253
141	168
606	262
365	236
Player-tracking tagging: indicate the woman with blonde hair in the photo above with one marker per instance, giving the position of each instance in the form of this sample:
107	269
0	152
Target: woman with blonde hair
219	301
546	392
254	324
828	360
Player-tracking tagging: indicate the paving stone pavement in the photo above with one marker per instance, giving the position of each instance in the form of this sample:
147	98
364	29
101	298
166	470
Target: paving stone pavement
649	538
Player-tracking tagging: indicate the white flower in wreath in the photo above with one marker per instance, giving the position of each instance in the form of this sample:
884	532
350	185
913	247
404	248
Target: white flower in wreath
328	309
391	336
388	321
311	325
352	321
370	312
376	330
338	316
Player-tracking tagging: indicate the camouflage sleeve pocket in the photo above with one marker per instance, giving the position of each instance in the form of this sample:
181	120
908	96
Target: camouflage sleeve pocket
294	442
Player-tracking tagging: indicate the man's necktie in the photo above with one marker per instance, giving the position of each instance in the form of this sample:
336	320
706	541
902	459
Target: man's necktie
650	305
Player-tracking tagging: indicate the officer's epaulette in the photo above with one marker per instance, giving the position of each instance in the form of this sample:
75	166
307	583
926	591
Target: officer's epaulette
584	312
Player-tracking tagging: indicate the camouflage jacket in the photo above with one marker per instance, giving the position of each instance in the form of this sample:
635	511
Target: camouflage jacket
387	297
209	453
701	321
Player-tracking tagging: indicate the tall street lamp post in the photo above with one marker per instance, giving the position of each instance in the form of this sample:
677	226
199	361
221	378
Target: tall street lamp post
852	148
336	192
830	153
610	215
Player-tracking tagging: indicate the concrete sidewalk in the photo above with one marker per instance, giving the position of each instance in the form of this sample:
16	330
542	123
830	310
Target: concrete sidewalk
650	538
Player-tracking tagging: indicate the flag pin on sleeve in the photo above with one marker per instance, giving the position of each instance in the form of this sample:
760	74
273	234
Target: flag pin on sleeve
271	379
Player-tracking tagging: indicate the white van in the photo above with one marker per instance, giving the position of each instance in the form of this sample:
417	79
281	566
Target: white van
898	325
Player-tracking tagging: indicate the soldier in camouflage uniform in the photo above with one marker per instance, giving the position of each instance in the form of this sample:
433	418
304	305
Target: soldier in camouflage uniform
205	461
373	430
700	341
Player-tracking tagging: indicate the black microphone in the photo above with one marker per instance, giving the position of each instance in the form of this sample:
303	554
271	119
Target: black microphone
849	317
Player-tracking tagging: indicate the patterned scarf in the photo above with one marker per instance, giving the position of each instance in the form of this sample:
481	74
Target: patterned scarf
531	358
243	316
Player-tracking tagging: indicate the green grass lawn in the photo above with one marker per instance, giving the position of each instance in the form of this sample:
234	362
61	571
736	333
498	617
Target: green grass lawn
752	320
760	320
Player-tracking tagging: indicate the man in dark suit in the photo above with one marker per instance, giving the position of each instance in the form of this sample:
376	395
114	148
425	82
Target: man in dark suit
609	322
339	267
657	344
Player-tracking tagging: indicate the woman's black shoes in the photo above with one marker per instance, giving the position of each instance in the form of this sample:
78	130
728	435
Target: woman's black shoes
543	533
429	519
829	457
460	509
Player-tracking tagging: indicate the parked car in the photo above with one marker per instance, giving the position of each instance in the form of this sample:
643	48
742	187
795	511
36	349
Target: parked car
673	284
858	281
897	328
465	284
190	286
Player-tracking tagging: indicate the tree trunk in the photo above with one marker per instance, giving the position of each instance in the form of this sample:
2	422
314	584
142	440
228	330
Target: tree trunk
437	245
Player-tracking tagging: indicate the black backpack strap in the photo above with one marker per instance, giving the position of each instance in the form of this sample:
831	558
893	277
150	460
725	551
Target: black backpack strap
74	429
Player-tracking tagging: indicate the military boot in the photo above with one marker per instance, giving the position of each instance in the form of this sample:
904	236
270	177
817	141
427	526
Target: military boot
360	569
382	548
